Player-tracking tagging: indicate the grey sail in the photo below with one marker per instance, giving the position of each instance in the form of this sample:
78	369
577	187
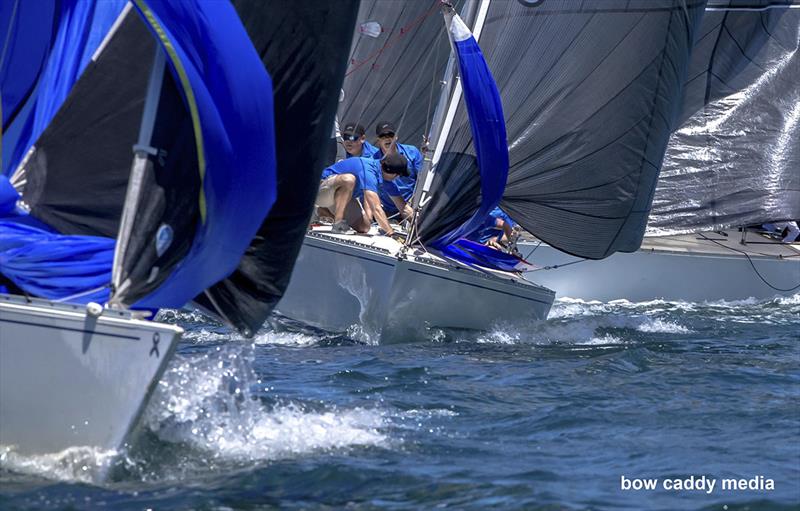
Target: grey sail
735	160
591	92
397	60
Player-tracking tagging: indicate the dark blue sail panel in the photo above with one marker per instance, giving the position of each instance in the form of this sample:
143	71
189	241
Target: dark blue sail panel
487	124
51	43
207	188
228	94
54	266
472	252
26	31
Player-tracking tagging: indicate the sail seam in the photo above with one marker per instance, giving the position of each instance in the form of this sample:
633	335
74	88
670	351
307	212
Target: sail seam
649	138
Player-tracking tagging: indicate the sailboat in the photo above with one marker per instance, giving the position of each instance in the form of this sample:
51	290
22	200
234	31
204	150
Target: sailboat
729	167
131	197
560	142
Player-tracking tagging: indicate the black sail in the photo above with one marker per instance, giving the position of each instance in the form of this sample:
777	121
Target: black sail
397	61
735	158
302	45
78	172
591	92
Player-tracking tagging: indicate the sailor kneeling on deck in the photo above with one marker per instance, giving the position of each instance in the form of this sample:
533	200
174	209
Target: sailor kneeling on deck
349	192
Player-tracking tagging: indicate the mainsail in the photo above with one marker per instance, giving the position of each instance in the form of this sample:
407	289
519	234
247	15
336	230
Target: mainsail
187	75
735	160
398	58
591	91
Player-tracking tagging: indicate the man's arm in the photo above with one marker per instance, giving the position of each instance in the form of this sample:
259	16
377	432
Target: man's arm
401	205
374	202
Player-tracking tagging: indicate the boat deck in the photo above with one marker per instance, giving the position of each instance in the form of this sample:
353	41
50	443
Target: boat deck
391	247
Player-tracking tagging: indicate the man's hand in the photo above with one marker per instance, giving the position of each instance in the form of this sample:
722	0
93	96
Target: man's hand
400	238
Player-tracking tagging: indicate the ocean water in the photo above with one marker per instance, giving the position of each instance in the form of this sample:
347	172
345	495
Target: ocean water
550	415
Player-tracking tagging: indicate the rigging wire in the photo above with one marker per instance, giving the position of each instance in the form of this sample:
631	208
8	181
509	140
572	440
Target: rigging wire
751	264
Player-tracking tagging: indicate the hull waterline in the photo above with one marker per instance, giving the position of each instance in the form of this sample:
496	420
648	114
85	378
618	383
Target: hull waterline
359	284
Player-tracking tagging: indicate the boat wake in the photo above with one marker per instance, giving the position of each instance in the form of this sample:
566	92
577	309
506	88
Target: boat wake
209	414
75	465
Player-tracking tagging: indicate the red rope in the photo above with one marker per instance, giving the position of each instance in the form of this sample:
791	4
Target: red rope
394	39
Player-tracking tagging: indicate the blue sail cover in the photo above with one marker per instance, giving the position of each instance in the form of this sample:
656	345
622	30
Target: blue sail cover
228	95
487	125
49	42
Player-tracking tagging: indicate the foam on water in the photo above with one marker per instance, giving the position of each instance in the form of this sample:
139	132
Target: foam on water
76	464
662	326
209	402
285	338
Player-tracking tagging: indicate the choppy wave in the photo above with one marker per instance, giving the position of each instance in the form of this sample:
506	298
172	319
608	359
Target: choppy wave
76	464
211	403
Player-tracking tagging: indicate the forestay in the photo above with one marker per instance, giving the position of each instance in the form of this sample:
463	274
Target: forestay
735	160
591	91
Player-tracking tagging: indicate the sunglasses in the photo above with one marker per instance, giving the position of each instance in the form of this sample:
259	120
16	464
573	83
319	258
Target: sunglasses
350	138
386	135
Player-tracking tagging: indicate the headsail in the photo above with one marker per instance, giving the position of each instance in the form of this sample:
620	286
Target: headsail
734	161
210	176
51	42
591	91
487	124
397	59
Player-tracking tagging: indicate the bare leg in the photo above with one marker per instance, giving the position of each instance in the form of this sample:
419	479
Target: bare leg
357	218
345	183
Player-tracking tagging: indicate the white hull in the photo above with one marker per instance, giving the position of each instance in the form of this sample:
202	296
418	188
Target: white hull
68	379
358	284
688	268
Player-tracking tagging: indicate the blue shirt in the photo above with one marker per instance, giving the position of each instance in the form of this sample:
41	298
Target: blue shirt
367	151
400	186
366	170
488	228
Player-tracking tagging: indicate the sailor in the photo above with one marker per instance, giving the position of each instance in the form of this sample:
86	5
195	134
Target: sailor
497	231
388	144
350	189
788	231
355	143
394	171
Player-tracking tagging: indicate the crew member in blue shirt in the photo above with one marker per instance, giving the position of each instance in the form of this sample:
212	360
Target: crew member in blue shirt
388	144
355	143
496	231
394	170
349	190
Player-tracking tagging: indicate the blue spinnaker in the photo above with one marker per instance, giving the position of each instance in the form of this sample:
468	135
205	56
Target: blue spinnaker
55	266
486	123
472	252
49	43
229	95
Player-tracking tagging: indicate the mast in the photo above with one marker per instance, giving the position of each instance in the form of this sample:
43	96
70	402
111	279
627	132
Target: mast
141	162
443	122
